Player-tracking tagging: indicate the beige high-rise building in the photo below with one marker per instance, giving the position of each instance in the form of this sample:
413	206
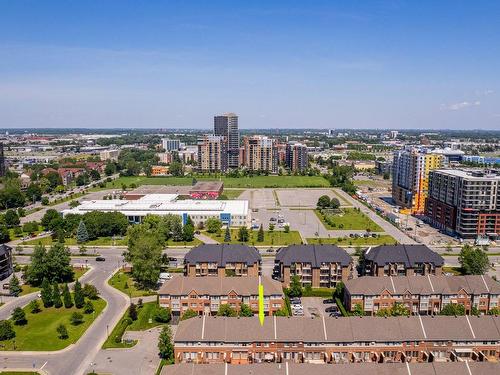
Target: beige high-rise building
260	153
212	153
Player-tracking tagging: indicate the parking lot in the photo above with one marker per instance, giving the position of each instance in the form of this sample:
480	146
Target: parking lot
302	197
314	307
259	198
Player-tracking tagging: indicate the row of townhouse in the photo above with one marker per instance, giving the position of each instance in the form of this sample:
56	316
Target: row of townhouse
422	295
401	260
206	295
220	260
435	368
206	340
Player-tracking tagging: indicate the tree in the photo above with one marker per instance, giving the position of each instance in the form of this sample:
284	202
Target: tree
4	234
90	291
323	202
94	174
243	234
260	234
165	345
33	192
162	315
56	296
132	311
45	201
6	330
339	290
62	332
226	310
67	300
49	219
19	317
76	318
494	311
286	228
358	310
30	227
176	169
295	289
82	249
144	252
59	263
81	234
334	203
14	286
245	310
88	308
213	225
271	227
188	314
398	309
177	234
110	169
453	309
11	218
227	234
46	293
474	260
34	307
188	232
78	295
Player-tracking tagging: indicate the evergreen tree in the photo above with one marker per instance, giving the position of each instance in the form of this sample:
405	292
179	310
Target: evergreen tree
188	232
88	308
56	296
34	307
46	293
19	317
14	286
227	235
79	297
81	234
243	234
177	234
245	310
132	311
6	330
68	301
62	332
37	270
165	345
260	234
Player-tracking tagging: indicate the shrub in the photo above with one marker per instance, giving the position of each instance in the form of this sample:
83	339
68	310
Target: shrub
162	315
6	330
62	332
90	291
19	317
34	307
88	308
132	311
76	318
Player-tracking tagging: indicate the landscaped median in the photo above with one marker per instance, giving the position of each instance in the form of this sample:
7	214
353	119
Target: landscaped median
41	331
379	239
124	282
27	289
274	238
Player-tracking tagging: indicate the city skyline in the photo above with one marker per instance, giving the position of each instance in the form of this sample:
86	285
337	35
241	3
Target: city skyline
277	65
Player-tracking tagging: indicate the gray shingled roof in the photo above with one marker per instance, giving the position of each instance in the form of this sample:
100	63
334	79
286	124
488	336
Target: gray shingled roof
410	255
339	330
4	249
222	254
314	254
431	284
220	286
435	368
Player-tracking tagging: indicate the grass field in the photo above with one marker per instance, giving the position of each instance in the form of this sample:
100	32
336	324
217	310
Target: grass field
275	238
457	271
383	239
144	314
27	289
40	332
120	279
233	193
229	182
351	219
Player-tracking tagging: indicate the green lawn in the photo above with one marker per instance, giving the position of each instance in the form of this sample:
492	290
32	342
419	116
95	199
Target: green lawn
350	219
120	279
144	314
229	182
457	271
383	239
104	241
40	332
27	289
232	194
276	238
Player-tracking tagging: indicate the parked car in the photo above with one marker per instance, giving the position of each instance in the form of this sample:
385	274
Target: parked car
272	219
6	286
100	259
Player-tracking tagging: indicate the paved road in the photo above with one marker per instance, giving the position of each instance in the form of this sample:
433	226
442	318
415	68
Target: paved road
77	358
390	229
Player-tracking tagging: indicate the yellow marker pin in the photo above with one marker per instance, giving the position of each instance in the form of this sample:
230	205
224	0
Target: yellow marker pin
261	302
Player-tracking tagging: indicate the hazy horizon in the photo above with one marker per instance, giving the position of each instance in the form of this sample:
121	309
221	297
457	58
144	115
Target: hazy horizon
279	64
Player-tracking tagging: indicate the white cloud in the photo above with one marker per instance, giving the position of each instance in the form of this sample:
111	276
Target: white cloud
461	105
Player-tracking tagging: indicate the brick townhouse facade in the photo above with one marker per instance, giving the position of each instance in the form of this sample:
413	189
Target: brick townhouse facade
222	260
315	265
206	295
422	295
337	340
435	368
401	260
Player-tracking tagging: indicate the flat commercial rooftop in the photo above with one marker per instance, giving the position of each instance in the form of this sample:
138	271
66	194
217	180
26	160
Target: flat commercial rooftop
161	204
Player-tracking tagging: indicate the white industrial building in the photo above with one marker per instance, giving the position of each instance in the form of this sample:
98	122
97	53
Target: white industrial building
233	212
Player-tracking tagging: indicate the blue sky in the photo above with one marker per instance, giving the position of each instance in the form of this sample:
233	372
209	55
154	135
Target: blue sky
295	64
